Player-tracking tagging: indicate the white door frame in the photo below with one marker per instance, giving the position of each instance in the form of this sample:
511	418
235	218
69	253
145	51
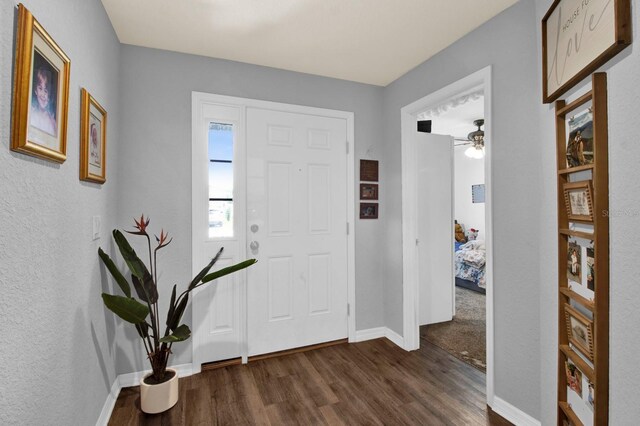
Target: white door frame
198	100
411	329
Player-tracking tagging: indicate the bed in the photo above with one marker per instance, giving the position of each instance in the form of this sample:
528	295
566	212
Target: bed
469	259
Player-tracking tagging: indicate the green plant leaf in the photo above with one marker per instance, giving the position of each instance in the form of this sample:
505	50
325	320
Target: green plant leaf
179	334
146	289
115	273
205	270
226	271
177	314
172	305
134	263
143	329
127	308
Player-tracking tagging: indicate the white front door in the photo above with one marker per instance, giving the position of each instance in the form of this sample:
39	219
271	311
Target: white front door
434	159
297	229
218	222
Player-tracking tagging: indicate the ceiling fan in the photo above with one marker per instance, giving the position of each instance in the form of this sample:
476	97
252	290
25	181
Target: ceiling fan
475	139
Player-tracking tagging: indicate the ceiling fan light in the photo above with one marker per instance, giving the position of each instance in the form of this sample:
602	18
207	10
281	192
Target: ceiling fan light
470	152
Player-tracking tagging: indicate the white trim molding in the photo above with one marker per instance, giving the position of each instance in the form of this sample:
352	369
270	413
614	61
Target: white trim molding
109	404
410	295
513	414
128	380
377	333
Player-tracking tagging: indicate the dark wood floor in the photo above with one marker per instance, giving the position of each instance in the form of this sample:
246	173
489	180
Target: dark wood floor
368	383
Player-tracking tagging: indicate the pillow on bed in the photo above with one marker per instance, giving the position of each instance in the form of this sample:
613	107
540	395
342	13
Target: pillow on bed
473	245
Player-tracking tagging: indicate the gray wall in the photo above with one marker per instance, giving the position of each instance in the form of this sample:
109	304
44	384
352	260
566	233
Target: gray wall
57	350
155	159
624	206
508	43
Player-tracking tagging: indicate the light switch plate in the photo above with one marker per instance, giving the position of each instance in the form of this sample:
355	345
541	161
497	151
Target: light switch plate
97	225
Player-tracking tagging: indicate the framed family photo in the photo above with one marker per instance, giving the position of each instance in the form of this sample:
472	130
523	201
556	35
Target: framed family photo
93	139
579	330
41	92
368	191
368	211
580	141
579	201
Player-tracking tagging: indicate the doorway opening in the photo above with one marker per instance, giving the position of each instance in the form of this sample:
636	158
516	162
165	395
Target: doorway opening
462	332
425	241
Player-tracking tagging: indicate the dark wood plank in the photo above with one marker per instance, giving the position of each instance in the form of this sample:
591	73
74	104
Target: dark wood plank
367	383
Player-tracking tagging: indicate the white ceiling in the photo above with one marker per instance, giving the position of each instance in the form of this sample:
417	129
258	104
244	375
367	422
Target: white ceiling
369	41
458	121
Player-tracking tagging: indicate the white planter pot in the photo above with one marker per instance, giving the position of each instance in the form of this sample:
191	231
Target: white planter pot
158	398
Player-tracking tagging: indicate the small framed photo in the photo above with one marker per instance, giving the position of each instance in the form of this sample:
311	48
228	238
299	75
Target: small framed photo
368	191
574	262
41	93
368	211
578	199
93	139
580	141
579	330
574	377
591	269
369	170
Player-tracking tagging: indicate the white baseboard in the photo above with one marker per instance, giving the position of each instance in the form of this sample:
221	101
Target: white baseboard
370	334
107	408
394	337
378	332
127	380
513	414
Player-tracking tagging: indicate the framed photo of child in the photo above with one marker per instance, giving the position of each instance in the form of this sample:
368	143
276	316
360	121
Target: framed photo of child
41	92
93	139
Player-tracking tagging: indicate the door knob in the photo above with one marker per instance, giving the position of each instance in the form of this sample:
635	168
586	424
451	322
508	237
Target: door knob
254	228
254	245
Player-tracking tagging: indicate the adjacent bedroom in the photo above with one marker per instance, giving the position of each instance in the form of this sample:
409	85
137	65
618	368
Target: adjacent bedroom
465	335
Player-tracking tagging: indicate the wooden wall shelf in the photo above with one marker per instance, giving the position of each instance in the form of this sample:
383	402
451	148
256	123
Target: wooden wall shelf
598	308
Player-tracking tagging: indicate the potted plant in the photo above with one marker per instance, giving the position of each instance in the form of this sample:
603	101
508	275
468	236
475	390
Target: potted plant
158	389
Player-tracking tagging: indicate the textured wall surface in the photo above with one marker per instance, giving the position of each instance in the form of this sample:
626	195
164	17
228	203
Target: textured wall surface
155	158
57	352
624	207
507	43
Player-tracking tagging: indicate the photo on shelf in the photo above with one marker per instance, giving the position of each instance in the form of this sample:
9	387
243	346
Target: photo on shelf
590	395
574	262
591	262
579	331
578	200
580	142
574	377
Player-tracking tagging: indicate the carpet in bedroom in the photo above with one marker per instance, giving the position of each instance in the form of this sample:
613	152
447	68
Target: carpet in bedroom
465	336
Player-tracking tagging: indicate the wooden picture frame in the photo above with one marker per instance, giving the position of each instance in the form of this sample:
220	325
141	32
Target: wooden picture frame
368	210
577	38
369	170
40	93
368	191
93	139
579	331
578	198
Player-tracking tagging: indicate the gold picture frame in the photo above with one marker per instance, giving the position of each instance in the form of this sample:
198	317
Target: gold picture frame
40	93
578	198
93	139
579	330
